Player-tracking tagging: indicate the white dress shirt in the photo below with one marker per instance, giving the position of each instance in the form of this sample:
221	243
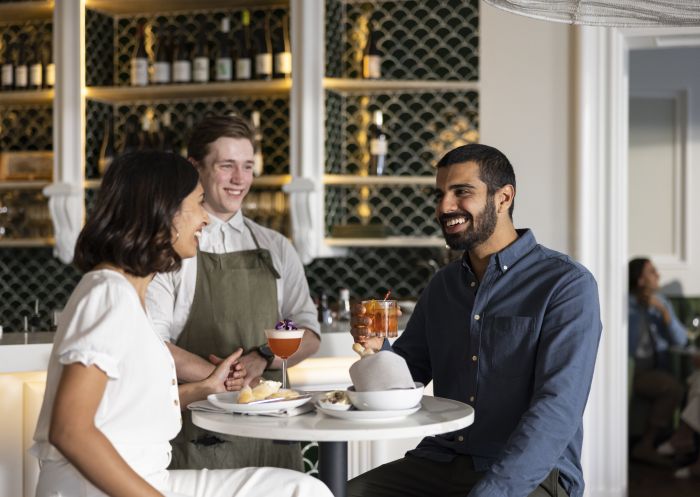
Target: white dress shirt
170	295
104	325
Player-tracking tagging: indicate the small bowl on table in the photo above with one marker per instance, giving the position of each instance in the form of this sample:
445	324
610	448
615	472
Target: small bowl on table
387	400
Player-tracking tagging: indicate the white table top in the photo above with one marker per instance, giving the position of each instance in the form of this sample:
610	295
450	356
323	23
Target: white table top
437	415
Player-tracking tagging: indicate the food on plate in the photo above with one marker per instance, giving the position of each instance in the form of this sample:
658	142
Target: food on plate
262	391
285	393
336	397
360	349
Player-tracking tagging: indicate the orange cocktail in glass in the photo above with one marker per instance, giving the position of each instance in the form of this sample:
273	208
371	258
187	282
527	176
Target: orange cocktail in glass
283	343
385	318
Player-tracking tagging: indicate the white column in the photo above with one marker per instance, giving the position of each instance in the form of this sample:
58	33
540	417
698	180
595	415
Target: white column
601	238
66	194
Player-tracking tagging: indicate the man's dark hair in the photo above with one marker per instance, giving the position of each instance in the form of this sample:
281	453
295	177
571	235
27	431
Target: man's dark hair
636	266
212	128
494	167
131	225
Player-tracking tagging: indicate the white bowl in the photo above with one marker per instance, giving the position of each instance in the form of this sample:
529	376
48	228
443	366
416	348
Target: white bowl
387	400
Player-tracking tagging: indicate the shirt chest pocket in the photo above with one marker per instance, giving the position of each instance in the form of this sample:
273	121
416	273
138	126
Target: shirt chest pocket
509	346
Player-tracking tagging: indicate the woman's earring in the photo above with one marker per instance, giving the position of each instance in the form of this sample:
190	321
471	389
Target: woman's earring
177	235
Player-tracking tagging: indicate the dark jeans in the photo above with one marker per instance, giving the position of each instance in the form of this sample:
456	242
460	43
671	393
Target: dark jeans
415	476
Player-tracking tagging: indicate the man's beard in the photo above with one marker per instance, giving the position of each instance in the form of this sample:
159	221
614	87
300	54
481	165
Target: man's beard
481	229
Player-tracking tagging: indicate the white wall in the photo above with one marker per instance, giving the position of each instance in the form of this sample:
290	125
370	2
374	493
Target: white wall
525	107
668	72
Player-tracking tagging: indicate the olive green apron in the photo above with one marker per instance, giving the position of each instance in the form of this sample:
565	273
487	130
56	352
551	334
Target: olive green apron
235	299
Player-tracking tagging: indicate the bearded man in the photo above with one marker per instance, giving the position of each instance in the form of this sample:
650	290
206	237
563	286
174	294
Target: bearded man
511	329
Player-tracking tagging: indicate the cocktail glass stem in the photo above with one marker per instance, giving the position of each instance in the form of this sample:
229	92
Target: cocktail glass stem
284	373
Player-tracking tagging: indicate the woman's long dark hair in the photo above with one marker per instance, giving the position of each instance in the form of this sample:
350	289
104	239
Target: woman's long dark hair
636	266
131	225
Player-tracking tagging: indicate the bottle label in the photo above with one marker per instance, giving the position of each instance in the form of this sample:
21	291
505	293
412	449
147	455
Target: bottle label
51	75
243	69
372	67
182	71
161	72
201	69
139	72
7	73
224	69
378	146
263	65
283	63
21	76
36	75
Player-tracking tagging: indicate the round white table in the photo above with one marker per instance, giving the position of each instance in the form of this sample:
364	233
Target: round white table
436	415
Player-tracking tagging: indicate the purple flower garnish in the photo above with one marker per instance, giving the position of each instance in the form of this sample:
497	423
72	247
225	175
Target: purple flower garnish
286	324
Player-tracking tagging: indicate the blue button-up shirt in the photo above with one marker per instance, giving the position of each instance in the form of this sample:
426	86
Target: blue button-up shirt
662	334
520	347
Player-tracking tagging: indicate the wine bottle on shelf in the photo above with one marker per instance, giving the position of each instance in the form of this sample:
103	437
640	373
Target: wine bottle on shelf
145	136
377	144
263	50
167	141
344	305
372	57
139	61
258	163
200	59
21	68
244	64
36	68
224	60
283	52
189	124
162	65
106	148
132	142
50	70
155	135
7	76
182	66
35	318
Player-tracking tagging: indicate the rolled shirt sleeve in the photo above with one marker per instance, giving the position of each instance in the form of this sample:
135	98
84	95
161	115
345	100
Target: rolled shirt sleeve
296	300
563	373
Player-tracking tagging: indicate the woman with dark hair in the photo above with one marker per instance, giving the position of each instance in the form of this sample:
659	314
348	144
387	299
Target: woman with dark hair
112	402
652	329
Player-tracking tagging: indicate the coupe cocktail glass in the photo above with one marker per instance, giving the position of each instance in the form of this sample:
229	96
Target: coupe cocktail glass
284	343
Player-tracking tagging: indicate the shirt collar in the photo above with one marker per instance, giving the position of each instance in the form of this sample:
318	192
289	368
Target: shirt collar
509	256
236	222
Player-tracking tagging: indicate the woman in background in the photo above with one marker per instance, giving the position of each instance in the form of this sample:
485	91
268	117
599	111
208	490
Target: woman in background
112	402
653	330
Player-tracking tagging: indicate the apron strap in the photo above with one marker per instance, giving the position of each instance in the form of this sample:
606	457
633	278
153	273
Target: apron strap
263	255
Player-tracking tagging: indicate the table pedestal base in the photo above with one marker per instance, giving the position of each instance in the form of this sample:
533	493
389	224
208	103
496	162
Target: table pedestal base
333	466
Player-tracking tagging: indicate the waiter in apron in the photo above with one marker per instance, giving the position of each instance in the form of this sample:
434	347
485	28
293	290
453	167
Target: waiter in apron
244	279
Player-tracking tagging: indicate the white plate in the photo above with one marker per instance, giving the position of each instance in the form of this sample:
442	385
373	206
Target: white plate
229	402
355	415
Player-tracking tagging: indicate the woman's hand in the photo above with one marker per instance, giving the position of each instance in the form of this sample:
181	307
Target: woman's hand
236	376
214	383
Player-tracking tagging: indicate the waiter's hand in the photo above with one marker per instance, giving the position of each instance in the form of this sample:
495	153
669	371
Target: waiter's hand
236	375
254	365
221	375
359	328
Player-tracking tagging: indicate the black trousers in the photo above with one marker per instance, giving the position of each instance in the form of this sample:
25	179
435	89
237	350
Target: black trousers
415	476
